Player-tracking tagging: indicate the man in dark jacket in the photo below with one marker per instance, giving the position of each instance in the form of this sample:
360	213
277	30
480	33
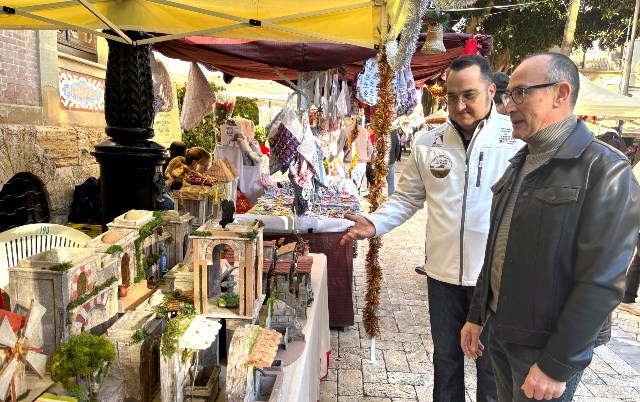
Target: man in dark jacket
564	223
394	149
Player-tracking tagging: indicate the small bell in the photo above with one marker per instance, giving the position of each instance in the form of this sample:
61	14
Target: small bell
434	43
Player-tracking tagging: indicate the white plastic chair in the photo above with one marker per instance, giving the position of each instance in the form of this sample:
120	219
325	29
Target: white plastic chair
25	241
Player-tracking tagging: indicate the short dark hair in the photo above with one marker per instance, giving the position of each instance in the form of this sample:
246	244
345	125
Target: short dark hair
177	148
473	60
563	69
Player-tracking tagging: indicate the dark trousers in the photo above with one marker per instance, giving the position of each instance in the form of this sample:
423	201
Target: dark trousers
633	278
448	308
511	364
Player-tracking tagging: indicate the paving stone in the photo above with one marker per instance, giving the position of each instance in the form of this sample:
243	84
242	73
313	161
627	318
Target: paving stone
396	360
389	390
350	382
362	399
329	391
407	378
346	362
609	391
375	372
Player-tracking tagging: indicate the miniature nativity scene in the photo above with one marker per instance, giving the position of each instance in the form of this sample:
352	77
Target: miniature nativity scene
198	315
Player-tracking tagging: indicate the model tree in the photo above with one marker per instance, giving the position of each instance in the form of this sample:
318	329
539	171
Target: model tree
85	360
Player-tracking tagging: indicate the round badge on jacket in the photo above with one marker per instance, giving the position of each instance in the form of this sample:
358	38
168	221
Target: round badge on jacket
440	166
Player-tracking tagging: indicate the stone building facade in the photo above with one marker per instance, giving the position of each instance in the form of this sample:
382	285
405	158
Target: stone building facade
52	114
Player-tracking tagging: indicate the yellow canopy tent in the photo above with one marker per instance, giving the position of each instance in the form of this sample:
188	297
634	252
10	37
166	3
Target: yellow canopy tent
354	22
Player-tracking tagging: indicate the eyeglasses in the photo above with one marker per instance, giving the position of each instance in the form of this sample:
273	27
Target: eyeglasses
517	94
467	98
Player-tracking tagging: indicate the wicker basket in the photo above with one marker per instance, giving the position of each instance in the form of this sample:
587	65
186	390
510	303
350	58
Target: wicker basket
87	228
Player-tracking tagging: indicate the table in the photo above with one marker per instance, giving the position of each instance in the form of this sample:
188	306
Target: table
339	271
301	380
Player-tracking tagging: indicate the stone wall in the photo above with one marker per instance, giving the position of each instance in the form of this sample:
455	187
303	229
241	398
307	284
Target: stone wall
58	156
19	76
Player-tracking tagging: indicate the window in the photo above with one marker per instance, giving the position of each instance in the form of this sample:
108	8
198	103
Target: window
79	44
22	201
82	284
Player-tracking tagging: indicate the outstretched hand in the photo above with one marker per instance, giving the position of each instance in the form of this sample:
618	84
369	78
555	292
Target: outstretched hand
363	229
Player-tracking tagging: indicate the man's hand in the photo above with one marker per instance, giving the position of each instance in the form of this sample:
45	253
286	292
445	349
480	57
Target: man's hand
363	229
470	340
540	386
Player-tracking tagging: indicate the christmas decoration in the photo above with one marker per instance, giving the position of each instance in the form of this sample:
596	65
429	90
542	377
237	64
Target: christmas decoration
381	127
434	43
356	155
399	56
437	90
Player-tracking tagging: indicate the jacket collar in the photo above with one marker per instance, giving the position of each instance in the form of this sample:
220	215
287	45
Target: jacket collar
571	148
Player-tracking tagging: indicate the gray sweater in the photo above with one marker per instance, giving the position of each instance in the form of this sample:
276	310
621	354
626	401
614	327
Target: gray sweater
542	146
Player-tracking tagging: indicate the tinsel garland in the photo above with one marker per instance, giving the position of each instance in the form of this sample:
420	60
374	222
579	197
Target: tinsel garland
399	55
381	127
356	155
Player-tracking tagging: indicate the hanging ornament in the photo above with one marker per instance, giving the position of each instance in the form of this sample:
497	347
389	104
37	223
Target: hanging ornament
434	43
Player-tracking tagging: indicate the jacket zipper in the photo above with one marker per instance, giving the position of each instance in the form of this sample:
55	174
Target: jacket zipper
464	200
479	169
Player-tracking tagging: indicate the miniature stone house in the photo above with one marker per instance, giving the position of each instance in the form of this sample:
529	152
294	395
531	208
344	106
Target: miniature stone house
178	227
303	279
269	250
153	248
138	362
246	242
77	289
179	278
125	259
282	274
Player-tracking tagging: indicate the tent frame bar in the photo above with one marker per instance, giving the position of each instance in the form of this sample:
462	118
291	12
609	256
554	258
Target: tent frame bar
105	21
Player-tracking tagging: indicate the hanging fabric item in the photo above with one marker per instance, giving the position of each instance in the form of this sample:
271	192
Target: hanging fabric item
470	47
341	103
199	99
285	142
367	87
407	98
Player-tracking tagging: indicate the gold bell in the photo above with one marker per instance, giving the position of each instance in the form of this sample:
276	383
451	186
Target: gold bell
434	43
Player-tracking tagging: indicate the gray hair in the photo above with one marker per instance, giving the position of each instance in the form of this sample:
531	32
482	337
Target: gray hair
563	69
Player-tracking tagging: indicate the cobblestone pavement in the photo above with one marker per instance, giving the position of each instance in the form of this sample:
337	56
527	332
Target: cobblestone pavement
404	368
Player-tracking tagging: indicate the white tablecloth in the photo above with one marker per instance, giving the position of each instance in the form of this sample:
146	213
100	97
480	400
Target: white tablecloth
301	225
301	380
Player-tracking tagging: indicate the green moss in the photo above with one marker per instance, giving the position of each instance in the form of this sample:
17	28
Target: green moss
145	231
23	395
65	266
249	235
97	289
200	233
228	299
114	248
139	335
254	338
175	329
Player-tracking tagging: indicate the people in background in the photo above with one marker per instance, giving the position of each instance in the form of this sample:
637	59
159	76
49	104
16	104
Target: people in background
501	80
364	147
176	148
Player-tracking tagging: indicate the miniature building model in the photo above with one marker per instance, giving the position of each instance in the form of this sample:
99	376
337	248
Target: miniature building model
246	242
201	202
137	361
125	259
78	291
178	227
282	274
303	279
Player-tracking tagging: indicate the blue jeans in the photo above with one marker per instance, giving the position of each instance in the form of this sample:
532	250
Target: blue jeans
391	184
448	308
511	364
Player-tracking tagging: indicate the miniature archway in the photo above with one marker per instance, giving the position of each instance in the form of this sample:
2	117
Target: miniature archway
82	283
83	317
217	270
125	274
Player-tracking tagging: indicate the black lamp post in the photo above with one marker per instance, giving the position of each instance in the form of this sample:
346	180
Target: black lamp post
130	163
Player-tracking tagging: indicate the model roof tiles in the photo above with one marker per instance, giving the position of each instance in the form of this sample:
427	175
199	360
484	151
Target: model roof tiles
265	349
283	267
304	265
266	265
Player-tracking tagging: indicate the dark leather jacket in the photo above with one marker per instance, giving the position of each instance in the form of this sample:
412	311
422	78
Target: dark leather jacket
573	233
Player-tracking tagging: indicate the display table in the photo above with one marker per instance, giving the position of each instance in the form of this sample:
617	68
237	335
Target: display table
301	380
289	224
339	271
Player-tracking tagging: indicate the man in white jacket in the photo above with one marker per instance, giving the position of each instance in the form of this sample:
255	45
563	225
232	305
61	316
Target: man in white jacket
450	171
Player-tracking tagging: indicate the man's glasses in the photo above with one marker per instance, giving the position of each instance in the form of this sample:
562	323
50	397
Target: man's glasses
467	98
517	94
